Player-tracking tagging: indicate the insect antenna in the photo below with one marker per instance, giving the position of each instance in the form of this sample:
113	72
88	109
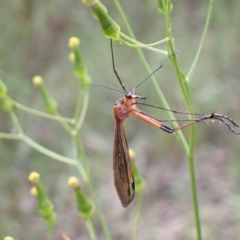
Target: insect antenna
105	78
96	85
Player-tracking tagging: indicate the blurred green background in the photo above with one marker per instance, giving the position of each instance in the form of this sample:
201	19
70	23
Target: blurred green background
34	37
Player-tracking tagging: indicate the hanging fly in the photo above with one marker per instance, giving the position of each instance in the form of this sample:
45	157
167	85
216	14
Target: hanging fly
125	107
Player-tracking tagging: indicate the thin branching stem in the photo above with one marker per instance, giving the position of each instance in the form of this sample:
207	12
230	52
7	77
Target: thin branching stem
43	114
191	70
179	135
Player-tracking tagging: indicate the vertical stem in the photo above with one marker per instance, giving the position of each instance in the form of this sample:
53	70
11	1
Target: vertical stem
50	232
81	153
202	40
193	184
139	208
186	93
91	229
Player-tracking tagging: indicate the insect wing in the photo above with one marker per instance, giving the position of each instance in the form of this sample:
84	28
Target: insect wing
123	175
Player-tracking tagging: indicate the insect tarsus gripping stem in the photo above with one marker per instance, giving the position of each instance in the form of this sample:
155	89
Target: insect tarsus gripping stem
225	120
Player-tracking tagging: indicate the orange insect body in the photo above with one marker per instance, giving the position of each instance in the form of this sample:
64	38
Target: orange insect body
125	107
123	175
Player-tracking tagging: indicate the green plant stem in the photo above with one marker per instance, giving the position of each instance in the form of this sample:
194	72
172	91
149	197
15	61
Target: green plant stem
139	210
99	211
191	70
47	152
141	45
43	114
179	135
50	232
91	229
16	122
191	165
43	150
11	136
66	126
81	153
186	93
57	117
79	104
82	115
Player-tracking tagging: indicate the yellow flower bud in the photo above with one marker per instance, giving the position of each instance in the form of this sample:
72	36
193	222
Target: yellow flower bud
131	154
73	182
33	191
8	238
73	42
85	207
50	103
37	81
34	177
45	207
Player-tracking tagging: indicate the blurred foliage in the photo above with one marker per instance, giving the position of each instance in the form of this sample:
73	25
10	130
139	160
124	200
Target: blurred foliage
34	42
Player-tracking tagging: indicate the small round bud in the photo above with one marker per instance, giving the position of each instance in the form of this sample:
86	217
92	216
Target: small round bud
33	191
8	238
73	42
131	154
34	177
37	81
73	182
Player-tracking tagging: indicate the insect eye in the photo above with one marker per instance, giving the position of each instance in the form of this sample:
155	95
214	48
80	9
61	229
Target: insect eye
128	95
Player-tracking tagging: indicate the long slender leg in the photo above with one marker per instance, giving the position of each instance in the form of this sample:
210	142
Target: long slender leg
170	110
115	71
151	74
214	116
